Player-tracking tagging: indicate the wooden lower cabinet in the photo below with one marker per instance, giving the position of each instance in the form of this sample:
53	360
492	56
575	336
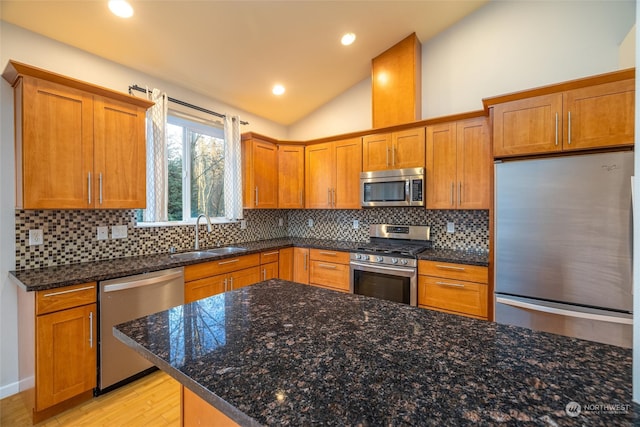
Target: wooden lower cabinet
329	269
301	265
211	278
269	265
58	347
285	264
453	288
197	412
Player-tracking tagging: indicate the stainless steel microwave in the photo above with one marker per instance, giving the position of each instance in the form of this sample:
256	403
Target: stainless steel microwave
398	187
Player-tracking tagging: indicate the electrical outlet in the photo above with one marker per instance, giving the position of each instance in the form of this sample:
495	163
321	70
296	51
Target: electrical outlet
118	231
102	233
243	224
451	227
310	222
356	224
36	237
280	222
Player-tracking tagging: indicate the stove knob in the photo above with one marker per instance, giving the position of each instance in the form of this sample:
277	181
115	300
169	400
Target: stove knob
404	262
394	260
365	257
379	258
358	256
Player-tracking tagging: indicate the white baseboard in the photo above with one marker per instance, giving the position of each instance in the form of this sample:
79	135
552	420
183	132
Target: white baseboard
9	389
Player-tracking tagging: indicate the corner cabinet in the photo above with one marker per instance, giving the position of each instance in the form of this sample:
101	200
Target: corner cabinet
57	347
459	165
596	112
78	146
259	173
332	174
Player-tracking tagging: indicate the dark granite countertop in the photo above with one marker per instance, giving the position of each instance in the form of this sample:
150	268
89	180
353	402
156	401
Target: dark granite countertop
72	274
456	256
281	353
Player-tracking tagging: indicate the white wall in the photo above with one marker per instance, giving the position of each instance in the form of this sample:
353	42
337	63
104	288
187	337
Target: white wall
505	46
30	48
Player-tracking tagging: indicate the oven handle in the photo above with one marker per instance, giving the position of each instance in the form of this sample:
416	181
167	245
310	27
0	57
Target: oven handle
383	267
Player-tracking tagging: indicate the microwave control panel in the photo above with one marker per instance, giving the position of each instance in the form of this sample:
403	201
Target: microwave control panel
416	190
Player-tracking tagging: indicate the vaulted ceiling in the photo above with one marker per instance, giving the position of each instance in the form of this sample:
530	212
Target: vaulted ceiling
235	51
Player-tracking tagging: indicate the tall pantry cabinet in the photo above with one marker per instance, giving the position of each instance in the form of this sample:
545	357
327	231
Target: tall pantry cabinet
78	146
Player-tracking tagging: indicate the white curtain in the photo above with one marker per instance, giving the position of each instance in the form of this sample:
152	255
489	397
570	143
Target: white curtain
156	210
232	169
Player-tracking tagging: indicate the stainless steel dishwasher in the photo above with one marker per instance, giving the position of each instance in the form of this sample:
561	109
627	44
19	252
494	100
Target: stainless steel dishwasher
128	298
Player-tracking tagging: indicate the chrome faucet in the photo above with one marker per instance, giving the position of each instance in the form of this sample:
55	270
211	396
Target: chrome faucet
198	223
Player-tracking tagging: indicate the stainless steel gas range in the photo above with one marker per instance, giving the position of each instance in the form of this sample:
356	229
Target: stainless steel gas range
387	266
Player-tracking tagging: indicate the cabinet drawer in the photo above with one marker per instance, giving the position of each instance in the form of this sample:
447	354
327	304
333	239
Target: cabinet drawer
212	268
269	256
329	256
331	275
67	297
456	296
469	273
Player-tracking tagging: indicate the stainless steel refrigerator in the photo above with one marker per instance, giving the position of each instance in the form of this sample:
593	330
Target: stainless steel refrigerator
563	246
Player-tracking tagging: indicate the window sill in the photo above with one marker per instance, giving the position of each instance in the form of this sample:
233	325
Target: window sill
190	222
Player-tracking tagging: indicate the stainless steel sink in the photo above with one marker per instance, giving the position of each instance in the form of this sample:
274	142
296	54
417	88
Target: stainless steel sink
186	256
226	250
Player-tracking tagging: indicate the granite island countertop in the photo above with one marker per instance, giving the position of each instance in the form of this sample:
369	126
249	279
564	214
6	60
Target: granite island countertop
281	353
73	274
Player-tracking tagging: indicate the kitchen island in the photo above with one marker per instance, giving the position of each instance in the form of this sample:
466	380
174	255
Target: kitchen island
282	353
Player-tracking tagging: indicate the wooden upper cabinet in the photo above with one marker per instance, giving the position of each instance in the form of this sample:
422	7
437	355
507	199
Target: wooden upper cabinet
459	165
260	174
590	113
599	116
318	175
396	150
291	176
528	126
68	135
332	173
54	145
119	154
348	165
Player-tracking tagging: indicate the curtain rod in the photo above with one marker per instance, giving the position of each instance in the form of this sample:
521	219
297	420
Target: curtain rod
185	104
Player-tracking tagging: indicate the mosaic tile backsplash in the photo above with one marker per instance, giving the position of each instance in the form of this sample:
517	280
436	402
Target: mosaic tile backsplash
70	236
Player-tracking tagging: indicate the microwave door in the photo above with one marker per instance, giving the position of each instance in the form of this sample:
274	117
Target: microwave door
394	191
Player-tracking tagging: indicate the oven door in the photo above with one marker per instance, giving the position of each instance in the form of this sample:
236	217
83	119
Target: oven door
399	284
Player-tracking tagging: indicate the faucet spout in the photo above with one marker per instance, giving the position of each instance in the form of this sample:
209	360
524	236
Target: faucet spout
197	245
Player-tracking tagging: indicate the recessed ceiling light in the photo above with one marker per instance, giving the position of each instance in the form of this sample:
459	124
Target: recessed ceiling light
348	38
278	90
121	8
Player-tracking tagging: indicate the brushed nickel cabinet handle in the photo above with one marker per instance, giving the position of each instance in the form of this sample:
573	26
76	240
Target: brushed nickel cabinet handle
305	262
256	196
448	267
225	285
450	285
231	282
264	274
328	253
100	187
451	198
393	156
387	162
91	329
53	294
89	186
327	266
229	262
460	193
556	129
569	129
271	253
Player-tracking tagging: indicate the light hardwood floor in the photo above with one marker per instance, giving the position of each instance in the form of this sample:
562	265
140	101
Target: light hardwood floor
150	401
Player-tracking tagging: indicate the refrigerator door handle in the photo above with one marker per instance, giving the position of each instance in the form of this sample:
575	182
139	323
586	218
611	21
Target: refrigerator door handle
548	308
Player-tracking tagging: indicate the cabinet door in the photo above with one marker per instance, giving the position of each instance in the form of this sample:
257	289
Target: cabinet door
473	164
119	156
54	146
376	152
348	165
290	177
453	296
265	169
528	126
285	264
269	271
66	344
204	288
246	277
329	275
319	176
599	116
441	166
301	265
407	149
